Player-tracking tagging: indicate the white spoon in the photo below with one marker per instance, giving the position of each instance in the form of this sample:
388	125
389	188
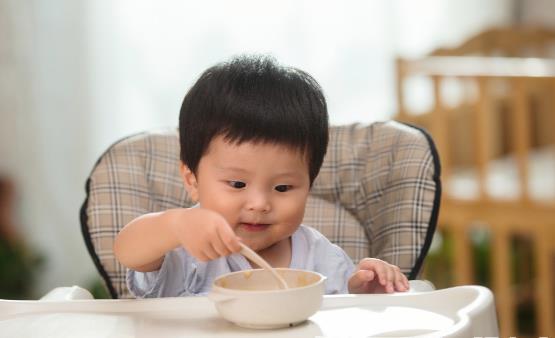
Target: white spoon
253	256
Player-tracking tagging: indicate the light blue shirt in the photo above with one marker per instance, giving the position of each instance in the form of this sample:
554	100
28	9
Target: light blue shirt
183	275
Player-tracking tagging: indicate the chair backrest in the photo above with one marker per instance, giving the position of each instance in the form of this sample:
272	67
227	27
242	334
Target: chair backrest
377	194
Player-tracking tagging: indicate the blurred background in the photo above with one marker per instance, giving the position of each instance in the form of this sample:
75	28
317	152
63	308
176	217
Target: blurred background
75	76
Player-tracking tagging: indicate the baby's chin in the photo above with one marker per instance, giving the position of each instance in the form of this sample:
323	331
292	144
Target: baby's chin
256	245
259	245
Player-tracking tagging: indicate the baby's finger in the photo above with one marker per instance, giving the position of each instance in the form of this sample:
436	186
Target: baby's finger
367	275
389	279
229	238
220	248
369	263
406	282
359	278
400	286
381	272
401	278
377	265
400	281
210	252
201	256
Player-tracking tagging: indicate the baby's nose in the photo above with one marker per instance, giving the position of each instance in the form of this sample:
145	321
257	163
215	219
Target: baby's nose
258	201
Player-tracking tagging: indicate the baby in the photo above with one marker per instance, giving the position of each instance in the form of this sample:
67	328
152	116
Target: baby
253	137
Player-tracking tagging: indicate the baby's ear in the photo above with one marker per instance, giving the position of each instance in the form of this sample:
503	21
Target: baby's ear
190	181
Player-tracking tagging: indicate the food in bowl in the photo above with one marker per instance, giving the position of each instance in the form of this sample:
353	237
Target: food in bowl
253	299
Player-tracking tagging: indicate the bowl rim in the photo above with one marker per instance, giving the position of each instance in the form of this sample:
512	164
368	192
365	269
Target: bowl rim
278	291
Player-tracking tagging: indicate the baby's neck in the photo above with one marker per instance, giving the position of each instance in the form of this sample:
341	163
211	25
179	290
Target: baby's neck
278	255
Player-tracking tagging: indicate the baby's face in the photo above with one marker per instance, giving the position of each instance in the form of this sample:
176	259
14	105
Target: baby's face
261	189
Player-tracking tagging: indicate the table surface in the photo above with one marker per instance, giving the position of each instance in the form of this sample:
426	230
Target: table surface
340	316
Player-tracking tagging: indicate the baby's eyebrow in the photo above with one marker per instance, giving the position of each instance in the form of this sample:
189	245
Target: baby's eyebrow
288	174
232	169
292	174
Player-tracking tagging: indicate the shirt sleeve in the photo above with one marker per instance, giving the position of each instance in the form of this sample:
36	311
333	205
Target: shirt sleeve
329	260
338	267
168	281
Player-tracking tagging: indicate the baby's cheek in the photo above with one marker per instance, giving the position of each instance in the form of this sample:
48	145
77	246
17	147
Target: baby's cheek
297	203
295	216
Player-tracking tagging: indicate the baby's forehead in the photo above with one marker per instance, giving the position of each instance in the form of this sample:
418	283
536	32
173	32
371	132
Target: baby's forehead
236	154
236	145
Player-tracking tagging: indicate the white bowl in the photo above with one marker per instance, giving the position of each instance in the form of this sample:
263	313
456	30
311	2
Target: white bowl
252	299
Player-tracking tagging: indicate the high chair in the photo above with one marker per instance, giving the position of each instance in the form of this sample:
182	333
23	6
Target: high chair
377	194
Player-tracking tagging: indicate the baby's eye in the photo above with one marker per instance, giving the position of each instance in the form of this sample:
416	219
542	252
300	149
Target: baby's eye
283	187
237	184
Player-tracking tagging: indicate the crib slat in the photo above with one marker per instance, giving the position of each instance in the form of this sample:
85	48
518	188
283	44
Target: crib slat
439	125
463	267
521	133
502	280
543	289
481	141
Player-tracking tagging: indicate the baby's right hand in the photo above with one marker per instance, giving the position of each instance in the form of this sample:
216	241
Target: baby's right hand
204	233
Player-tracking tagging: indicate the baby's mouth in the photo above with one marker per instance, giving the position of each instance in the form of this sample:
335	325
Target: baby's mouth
254	226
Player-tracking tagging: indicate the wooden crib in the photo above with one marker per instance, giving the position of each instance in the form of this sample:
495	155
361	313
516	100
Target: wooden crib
497	147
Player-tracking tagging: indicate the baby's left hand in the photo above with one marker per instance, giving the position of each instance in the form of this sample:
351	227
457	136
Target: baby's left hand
376	276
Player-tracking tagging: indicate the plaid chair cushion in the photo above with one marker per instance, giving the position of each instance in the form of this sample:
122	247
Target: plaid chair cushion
377	194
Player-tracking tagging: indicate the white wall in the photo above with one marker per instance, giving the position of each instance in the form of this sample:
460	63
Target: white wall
45	134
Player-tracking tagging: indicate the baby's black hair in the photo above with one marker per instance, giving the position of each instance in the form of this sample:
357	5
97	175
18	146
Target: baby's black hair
252	98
